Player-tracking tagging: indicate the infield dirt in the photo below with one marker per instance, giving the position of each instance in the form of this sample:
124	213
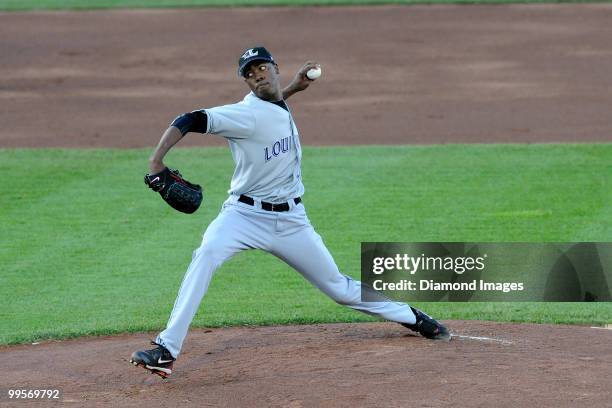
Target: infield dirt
391	75
336	365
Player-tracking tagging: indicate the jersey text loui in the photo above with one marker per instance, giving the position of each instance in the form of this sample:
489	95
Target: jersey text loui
280	146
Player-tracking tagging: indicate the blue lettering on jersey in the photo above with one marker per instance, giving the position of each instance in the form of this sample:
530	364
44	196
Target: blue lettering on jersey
278	147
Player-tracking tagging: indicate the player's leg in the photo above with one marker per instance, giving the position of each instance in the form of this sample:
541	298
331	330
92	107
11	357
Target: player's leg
305	252
228	234
298	244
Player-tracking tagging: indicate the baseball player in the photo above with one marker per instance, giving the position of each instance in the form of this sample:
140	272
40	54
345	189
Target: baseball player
264	209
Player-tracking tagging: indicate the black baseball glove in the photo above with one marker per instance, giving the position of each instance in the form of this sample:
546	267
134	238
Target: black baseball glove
175	190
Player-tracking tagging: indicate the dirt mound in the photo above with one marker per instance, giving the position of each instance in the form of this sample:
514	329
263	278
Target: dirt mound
332	365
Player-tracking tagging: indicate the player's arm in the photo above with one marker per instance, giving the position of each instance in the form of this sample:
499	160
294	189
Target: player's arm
196	121
300	80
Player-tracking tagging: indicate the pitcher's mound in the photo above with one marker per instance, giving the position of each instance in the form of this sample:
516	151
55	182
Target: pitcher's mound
352	365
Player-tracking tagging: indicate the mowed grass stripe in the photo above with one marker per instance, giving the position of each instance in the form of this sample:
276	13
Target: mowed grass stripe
88	249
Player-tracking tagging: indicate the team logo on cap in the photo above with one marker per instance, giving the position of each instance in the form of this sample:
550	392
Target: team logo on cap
250	53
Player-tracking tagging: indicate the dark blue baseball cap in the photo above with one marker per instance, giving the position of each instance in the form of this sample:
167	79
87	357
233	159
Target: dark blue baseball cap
253	54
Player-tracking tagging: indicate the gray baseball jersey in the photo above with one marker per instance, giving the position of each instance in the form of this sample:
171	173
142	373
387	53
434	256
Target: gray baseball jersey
266	148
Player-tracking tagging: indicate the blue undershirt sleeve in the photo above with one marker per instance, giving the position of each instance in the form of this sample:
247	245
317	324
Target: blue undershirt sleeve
196	121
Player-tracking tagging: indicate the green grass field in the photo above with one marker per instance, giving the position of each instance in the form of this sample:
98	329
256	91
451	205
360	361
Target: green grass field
88	249
17	5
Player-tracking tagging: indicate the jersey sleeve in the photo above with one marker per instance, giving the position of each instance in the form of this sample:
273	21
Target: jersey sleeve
235	121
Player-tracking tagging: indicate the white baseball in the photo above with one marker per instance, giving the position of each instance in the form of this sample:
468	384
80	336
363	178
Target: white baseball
314	73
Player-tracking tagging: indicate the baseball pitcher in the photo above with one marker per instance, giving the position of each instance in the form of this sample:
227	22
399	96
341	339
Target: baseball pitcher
264	209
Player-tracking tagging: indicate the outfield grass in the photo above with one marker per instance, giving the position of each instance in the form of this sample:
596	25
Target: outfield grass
20	5
88	249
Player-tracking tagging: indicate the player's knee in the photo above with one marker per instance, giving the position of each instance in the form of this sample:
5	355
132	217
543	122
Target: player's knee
344	299
343	291
344	296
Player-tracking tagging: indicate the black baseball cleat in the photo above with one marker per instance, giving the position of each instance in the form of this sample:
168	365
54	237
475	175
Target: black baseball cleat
428	327
158	360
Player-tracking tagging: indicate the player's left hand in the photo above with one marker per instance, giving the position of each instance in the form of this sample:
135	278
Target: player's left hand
179	193
300	80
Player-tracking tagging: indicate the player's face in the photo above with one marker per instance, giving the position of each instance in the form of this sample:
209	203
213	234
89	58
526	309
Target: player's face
264	80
